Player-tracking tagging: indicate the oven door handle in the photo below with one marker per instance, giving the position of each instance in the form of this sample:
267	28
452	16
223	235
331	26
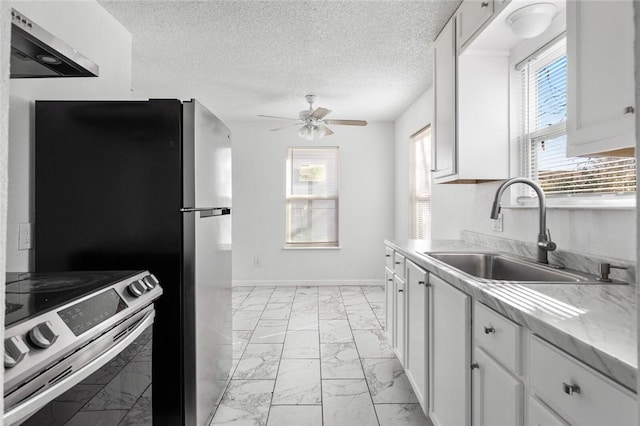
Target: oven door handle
30	405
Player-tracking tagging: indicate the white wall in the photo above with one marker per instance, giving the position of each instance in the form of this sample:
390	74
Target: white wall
5	31
366	200
456	207
91	30
414	118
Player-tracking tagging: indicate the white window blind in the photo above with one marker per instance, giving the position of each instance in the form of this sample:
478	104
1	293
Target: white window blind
421	184
543	136
312	197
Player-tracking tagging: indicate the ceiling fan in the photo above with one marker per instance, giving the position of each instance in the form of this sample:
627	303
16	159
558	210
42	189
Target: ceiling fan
314	122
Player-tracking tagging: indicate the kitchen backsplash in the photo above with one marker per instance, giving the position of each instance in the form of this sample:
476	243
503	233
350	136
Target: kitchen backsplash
569	259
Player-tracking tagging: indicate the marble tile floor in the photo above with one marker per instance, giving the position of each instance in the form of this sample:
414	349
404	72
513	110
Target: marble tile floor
314	356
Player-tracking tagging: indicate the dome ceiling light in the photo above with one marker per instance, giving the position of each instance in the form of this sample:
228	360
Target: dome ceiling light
531	21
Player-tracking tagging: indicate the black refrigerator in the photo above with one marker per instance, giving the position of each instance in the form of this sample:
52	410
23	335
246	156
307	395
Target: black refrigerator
146	185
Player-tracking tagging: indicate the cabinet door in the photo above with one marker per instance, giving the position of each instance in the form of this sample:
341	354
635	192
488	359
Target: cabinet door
444	78
497	395
450	354
417	331
390	302
600	66
541	415
399	319
471	15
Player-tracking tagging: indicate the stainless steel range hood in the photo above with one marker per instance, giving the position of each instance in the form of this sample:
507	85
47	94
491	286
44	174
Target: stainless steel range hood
36	53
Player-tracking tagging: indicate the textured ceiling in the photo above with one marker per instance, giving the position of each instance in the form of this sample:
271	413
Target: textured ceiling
364	59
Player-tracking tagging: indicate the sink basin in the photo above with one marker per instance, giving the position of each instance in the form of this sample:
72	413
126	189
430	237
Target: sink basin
498	267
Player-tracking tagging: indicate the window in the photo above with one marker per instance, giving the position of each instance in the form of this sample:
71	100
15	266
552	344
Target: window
543	136
421	184
312	197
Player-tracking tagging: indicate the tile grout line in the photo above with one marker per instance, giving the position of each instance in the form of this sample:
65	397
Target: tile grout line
286	329
375	413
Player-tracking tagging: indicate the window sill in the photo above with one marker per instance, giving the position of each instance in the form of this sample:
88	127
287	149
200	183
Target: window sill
582	203
311	248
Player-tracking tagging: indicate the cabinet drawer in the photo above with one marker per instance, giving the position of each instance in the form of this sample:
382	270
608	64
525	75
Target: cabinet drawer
398	265
388	256
593	400
499	336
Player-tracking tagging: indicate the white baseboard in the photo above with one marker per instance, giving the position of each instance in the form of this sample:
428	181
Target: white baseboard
319	283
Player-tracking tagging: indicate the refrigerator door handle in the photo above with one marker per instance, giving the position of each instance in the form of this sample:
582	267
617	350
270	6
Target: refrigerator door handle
207	211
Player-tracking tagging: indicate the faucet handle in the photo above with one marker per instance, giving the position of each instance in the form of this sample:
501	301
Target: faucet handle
545	242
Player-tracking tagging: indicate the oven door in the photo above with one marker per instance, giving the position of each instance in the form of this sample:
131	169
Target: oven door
104	379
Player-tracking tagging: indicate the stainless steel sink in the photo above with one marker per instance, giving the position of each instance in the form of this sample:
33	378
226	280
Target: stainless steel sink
499	267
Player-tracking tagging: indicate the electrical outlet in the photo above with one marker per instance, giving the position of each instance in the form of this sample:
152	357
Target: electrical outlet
256	261
498	225
25	234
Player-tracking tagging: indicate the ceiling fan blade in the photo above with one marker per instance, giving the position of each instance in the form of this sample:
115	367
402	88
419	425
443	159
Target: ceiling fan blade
279	118
284	127
320	113
347	122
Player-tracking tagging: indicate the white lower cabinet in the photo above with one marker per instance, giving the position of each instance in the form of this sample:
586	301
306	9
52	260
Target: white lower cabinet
449	354
417	310
390	296
541	415
497	395
579	394
399	319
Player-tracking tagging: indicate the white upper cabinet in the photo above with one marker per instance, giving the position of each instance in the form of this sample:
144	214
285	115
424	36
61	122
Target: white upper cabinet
471	102
601	90
471	15
444	129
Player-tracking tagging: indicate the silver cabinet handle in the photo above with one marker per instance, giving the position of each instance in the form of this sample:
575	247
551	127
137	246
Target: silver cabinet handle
570	389
489	330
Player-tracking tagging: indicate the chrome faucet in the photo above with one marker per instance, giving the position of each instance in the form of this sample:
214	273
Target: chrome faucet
544	236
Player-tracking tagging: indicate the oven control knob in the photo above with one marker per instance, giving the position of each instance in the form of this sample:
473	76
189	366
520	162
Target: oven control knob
150	281
136	288
42	335
14	351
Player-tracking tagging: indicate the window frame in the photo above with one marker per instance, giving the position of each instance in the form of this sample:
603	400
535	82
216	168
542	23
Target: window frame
290	198
413	198
523	197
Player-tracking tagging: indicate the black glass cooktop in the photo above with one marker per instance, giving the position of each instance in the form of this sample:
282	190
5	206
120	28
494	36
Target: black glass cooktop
32	293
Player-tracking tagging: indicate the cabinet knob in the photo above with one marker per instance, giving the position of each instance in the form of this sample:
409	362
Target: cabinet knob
475	365
570	389
629	110
387	255
397	263
390	280
420	282
484	4
489	330
400	290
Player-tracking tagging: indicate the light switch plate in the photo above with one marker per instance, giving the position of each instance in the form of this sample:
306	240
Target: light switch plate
25	234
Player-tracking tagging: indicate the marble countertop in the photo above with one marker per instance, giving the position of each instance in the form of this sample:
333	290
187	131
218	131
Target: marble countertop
596	323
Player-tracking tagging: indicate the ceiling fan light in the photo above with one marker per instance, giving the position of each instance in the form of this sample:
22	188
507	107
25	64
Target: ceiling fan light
322	131
531	21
